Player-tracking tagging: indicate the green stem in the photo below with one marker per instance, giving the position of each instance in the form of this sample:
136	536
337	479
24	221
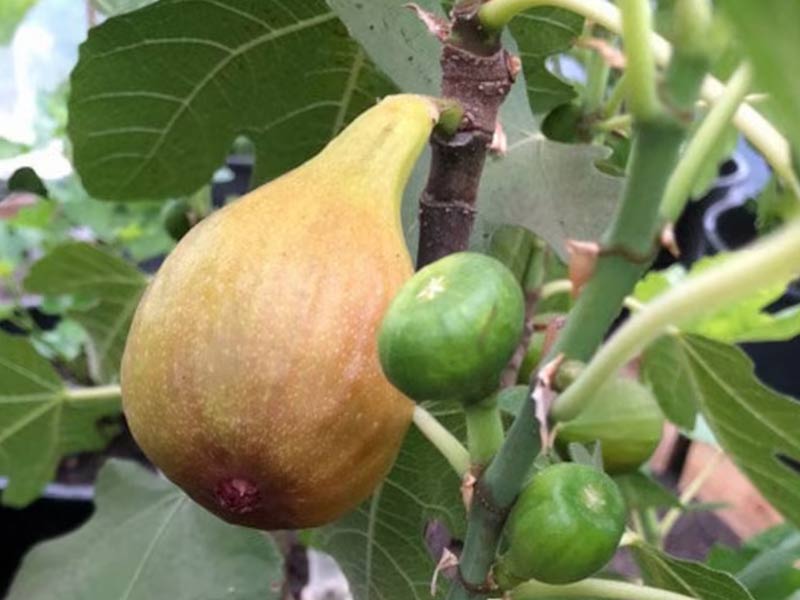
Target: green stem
484	431
642	98
495	14
680	185
553	288
615	98
93	394
772	260
614	123
450	114
445	442
594	588
652	531
499	486
628	247
597	72
690	492
692	23
633	234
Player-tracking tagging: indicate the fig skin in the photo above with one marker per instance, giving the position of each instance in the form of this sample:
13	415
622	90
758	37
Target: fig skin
625	417
452	328
251	373
565	525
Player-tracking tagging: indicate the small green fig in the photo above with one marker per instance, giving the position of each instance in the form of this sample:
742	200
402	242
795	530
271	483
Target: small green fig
565	526
452	328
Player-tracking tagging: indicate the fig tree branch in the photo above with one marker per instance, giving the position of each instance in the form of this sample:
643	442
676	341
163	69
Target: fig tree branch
627	251
640	69
477	73
774	259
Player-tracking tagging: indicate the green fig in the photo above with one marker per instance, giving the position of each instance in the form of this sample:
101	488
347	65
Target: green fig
251	374
625	418
452	328
565	525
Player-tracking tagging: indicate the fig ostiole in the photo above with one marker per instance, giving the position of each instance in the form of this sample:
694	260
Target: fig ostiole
251	373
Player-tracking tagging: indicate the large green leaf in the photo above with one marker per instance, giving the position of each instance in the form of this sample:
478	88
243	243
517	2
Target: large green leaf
553	189
686	577
381	546
756	426
159	94
665	368
148	540
770	29
40	421
540	33
765	564
113	288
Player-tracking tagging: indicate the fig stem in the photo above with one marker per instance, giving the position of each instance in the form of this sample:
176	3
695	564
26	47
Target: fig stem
597	75
93	394
772	260
495	14
690	492
593	588
444	441
642	98
702	143
450	114
485	432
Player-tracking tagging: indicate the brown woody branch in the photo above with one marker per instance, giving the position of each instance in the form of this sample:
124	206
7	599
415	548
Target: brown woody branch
476	72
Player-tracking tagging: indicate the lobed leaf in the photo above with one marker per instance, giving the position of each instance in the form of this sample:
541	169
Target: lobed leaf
687	577
113	288
540	33
665	368
755	425
148	540
159	94
40	422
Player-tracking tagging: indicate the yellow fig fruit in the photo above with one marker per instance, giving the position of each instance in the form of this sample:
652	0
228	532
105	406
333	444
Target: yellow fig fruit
251	373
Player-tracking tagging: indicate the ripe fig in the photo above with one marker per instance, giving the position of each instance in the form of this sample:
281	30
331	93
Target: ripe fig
565	526
452	329
251	373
